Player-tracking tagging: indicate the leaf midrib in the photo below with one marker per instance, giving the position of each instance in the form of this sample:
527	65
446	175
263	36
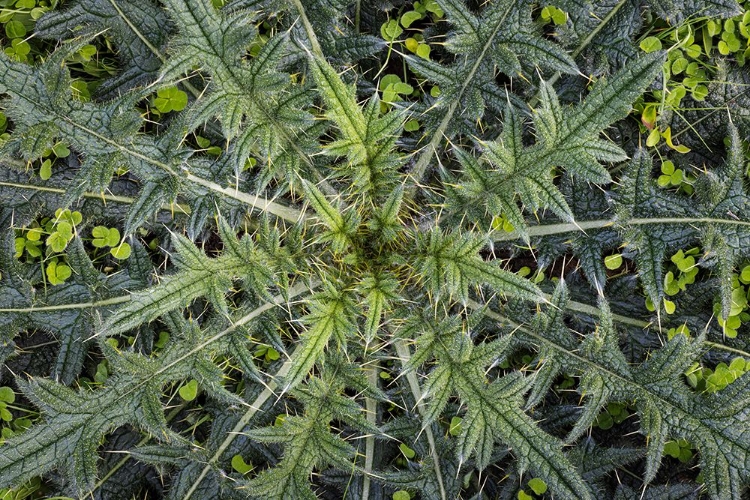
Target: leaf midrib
254	200
257	102
502	413
582	226
685	413
424	159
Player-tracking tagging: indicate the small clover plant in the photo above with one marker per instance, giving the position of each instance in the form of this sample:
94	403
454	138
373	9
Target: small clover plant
680	449
554	15
170	99
106	237
613	414
672	177
705	379
535	488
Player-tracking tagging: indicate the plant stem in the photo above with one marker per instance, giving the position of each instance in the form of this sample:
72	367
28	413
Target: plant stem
424	158
596	30
570	227
404	355
172	414
98	196
722	347
255	406
264	396
63	307
252	200
255	201
311	37
589	309
371	408
137	32
357	15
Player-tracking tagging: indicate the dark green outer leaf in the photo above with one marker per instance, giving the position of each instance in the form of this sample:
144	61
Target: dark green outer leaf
138	28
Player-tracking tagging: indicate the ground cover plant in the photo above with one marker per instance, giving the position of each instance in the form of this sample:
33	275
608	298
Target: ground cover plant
340	249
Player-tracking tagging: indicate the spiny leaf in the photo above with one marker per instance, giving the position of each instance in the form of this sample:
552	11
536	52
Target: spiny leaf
511	171
342	106
368	139
75	424
450	262
198	278
138	28
327	212
330	316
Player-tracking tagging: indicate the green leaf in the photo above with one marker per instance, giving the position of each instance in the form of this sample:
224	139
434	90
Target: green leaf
656	431
497	30
60	150
423	51
340	100
390	30
650	44
178	290
330	216
307	443
408	18
170	99
7	395
150	199
112	237
455	426
100	235
613	262
367	139
406	451
135	28
450	263
57	273
489	417
15	29
238	464
189	391
538	486
121	251
330	316
75	423
45	172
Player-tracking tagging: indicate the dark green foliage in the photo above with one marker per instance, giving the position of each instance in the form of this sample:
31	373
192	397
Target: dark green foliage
278	283
140	31
526	172
718	219
681	10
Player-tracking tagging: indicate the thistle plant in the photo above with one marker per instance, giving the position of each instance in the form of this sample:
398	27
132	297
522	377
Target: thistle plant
257	277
